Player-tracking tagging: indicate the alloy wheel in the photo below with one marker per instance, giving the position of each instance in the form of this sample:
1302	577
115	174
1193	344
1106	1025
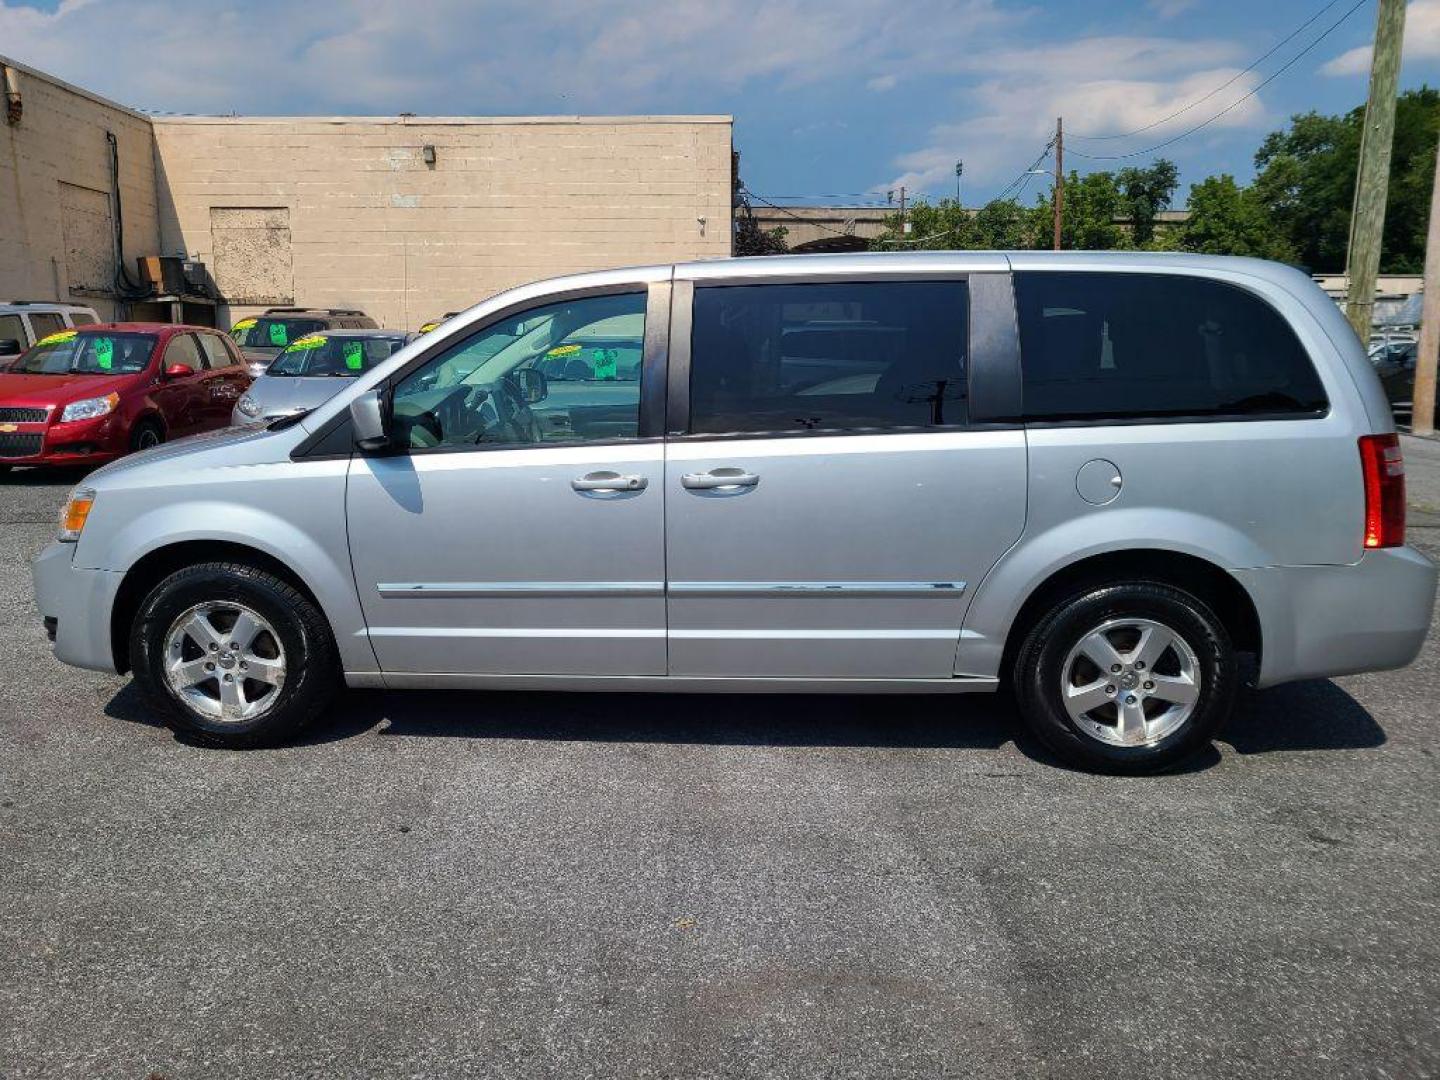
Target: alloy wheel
224	661
1130	682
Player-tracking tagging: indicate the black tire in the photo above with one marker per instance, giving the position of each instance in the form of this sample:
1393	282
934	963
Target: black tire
146	434
312	671
1044	665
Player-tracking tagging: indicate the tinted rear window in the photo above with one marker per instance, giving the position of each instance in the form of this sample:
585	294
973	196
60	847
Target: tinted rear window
1121	346
855	356
273	333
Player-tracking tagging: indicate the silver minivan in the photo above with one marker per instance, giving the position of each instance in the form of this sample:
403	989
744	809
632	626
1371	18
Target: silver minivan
1097	479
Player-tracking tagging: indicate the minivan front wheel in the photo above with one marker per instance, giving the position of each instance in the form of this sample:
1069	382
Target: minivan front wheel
233	655
1127	678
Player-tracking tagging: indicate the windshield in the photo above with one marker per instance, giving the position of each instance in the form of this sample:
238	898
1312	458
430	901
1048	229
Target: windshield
272	333
317	355
73	353
567	345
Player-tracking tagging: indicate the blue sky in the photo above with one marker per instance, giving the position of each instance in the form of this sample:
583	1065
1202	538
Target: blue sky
830	97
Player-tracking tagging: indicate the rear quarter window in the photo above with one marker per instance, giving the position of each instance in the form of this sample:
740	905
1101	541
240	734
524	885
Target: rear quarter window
1098	346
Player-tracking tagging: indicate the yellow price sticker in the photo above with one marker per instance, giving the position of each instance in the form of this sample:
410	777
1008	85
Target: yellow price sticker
58	337
564	350
309	341
244	324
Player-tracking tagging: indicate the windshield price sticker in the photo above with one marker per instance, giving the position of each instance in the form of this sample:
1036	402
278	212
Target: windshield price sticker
310	341
354	353
58	337
243	324
564	350
105	353
278	335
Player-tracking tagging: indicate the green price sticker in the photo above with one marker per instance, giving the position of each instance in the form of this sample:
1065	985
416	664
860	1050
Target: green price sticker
278	336
604	362
354	353
104	353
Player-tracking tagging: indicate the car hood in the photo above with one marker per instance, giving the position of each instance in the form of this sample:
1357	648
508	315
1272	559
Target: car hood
280	394
229	441
37	390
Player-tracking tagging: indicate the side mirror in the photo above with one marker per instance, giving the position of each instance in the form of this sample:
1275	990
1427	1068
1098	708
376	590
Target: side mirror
534	386
179	371
369	420
10	347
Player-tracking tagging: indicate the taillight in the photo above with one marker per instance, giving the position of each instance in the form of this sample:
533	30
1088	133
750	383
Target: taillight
1384	471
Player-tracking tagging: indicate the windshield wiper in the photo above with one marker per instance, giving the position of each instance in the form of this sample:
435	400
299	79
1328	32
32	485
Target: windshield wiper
287	421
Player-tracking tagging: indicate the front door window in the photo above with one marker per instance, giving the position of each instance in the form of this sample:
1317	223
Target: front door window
564	373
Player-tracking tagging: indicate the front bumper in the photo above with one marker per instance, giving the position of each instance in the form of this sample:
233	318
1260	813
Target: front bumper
80	603
78	442
1319	621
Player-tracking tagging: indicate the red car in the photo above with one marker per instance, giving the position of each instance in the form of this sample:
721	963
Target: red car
85	396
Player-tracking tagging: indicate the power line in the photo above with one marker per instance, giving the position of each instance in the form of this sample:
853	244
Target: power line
1206	123
840	195
808	221
1229	82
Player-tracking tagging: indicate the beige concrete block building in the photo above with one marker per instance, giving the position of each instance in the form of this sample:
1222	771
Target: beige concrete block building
404	217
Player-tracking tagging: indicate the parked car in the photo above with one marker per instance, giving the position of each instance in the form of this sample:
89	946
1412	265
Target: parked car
1098	478
262	338
307	371
24	322
426	327
1394	361
87	395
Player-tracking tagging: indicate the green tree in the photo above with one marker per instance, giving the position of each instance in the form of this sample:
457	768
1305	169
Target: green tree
1227	219
1306	182
1146	192
1092	203
750	239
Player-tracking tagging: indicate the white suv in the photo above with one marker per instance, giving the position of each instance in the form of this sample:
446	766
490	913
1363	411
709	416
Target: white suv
24	322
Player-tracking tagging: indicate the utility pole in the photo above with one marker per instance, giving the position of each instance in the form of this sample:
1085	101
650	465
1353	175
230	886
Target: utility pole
1059	176
959	172
904	225
1372	178
1422	400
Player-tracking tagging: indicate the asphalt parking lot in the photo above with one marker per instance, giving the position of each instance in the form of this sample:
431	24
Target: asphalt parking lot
622	886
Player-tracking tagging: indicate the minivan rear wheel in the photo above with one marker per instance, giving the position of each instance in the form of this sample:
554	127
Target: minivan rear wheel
1127	678
233	656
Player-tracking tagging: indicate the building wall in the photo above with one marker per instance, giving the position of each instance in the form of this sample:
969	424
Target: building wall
345	212
55	194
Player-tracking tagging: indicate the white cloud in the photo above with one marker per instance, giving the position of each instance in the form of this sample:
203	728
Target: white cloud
881	83
457	56
1422	41
1168	9
1013	109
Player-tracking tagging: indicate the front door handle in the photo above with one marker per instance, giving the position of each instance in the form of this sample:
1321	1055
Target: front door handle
719	480
605	480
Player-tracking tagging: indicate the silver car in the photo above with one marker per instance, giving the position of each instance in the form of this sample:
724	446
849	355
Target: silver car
307	371
1097	478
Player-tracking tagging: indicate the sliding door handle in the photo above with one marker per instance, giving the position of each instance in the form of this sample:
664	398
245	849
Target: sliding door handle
719	480
606	480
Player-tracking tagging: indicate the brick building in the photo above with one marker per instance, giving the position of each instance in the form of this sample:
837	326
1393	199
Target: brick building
405	217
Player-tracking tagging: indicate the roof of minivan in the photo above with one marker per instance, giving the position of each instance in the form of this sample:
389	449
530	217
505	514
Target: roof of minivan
861	264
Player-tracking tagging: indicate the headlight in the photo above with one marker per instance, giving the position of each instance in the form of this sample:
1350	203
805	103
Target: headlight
248	405
77	510
90	408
